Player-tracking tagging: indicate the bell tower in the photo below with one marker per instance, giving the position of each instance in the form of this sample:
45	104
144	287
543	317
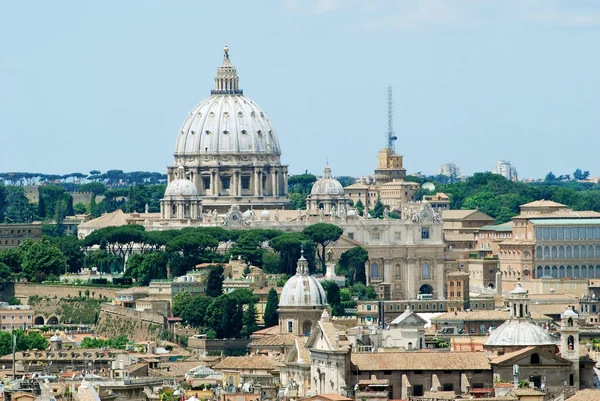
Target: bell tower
569	343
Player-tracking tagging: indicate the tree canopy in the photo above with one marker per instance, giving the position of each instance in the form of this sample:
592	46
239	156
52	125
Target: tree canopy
322	234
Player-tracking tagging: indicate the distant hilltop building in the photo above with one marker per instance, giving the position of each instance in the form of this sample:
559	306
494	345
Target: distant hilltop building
449	170
505	169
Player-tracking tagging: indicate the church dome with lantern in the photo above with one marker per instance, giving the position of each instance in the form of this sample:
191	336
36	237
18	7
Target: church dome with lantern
302	302
327	196
229	149
302	289
519	331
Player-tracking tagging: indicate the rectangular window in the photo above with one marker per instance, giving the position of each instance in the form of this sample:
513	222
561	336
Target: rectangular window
351	235
290	327
424	232
225	182
245	182
418	389
376	235
206	182
397	236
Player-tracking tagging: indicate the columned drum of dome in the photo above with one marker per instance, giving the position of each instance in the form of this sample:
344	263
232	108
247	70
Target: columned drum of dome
327	194
229	149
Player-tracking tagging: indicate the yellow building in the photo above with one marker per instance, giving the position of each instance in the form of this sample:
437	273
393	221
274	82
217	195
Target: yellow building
389	185
15	317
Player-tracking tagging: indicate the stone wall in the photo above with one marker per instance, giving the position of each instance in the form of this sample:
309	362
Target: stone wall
137	326
24	291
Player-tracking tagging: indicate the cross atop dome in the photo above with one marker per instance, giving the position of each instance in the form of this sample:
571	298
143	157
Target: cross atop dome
226	80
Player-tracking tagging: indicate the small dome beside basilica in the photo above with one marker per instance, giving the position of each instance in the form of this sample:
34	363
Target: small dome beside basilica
302	289
181	186
327	185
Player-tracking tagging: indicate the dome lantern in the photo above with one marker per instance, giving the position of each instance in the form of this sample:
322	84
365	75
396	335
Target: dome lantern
226	80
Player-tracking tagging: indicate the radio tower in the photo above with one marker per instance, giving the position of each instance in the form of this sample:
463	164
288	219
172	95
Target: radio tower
391	138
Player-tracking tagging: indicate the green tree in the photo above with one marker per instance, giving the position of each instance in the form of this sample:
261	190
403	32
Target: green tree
194	312
359	207
79	208
297	200
581	175
289	246
70	246
352	265
322	234
147	267
214	281
378	209
180	302
271	316
333	297
249	247
363	292
271	262
550	177
41	259
249	320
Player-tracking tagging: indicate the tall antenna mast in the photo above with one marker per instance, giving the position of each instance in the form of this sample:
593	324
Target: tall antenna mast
391	138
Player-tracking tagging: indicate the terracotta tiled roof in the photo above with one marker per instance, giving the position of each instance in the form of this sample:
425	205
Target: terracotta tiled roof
174	369
330	397
527	391
269	331
113	219
277	340
248	362
543	203
439	395
482	316
586	395
421	361
510	355
304	353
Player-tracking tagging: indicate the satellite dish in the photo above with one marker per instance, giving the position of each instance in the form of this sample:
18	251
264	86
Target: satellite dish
428	186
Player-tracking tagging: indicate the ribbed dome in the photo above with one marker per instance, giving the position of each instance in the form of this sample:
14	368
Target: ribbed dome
227	122
181	186
302	289
327	185
519	333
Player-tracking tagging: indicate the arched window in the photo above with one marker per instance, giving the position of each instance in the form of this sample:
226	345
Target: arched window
584	271
570	322
561	272
306	328
598	271
546	252
561	252
583	252
554	272
569	271
569	252
576	271
425	271
410	346
539	272
571	343
591	272
538	252
576	251
535	359
521	310
590	252
174	211
374	270
554	252
547	271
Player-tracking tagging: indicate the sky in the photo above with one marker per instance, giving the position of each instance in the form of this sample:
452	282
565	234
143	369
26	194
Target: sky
99	85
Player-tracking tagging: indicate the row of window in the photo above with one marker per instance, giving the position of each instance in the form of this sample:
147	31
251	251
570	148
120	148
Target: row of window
568	271
427	306
567	233
425	271
24	327
4	317
568	252
12	231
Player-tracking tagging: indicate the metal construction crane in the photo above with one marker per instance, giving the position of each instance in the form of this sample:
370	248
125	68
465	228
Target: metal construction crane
391	138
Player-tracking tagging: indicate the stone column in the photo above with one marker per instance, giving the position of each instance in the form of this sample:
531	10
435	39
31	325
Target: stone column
285	181
256	183
212	183
217	183
239	183
233	183
387	273
438	277
273	182
411	291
